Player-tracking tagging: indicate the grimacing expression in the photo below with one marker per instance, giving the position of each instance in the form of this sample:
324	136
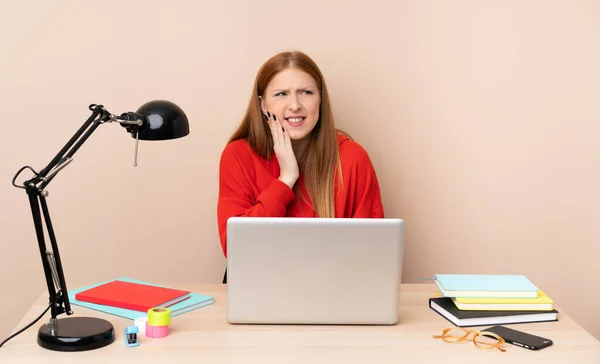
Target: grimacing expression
293	96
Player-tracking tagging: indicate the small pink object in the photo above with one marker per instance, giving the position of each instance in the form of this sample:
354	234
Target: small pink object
156	331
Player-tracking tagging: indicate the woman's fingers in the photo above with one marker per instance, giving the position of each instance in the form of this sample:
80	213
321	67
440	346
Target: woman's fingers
282	131
276	128
270	123
286	138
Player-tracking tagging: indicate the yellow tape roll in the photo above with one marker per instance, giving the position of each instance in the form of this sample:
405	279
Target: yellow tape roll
159	316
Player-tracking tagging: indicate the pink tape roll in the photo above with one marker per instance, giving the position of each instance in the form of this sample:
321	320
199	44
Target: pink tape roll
156	331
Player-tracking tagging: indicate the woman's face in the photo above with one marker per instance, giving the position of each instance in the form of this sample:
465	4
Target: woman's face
293	96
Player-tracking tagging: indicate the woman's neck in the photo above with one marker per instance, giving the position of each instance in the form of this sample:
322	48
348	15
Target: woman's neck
300	147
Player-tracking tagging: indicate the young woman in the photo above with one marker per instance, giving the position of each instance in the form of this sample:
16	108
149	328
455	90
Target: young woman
288	159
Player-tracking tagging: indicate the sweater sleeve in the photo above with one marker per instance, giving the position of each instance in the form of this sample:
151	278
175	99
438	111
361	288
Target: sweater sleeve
367	195
235	195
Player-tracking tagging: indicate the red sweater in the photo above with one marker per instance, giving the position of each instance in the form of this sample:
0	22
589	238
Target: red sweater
249	186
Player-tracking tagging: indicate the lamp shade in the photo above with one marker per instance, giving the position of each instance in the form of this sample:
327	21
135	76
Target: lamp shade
162	120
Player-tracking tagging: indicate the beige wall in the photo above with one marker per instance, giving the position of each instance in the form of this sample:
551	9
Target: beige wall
481	118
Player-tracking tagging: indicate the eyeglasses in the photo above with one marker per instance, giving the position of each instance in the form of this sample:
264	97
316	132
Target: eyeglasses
483	339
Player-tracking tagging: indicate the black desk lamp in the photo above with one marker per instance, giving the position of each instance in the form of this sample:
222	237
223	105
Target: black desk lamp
155	120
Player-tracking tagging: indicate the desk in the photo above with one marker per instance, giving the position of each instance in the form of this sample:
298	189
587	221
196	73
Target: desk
204	336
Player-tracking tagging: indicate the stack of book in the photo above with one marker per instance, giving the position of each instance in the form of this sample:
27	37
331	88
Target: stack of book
480	299
131	298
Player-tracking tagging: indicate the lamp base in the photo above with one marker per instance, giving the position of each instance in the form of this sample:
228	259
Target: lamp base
76	334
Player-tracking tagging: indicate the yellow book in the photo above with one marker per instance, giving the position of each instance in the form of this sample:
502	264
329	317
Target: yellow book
541	303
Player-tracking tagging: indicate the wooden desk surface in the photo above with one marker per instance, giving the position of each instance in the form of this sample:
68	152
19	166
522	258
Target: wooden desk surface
204	336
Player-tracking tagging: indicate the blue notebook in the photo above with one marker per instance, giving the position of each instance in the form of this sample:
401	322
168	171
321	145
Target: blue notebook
195	301
485	285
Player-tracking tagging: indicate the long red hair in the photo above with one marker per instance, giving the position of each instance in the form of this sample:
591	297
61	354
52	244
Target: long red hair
321	160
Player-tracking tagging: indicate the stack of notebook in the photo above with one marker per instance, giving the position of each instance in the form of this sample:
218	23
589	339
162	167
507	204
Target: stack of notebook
480	299
130	298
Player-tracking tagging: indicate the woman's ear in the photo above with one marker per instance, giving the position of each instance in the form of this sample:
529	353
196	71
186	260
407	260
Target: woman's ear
262	103
262	108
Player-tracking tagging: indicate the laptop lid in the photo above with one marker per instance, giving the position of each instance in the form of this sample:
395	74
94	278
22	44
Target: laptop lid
314	270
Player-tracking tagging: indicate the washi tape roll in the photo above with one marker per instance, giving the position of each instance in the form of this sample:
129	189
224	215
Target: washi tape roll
156	331
159	316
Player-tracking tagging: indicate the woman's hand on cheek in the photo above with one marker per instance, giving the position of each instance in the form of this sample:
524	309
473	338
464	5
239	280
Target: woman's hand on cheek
282	146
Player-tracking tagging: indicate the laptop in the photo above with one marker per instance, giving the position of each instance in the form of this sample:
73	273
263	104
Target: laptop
314	270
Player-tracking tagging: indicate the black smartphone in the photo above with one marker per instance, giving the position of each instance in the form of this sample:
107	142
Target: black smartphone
520	338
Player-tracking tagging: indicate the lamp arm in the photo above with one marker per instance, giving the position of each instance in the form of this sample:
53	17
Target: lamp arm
65	155
55	280
96	110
